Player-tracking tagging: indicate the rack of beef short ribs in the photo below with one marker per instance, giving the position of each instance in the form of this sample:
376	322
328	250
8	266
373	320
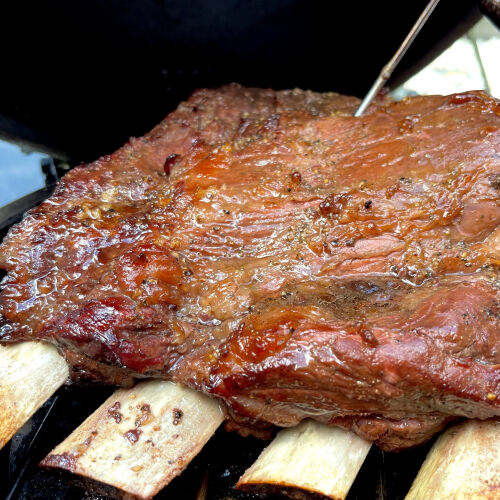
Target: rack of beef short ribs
274	252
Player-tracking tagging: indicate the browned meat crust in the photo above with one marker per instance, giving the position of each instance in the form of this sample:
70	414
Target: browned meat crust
271	250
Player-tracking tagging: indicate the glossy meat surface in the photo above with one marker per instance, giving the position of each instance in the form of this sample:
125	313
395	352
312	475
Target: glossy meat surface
271	250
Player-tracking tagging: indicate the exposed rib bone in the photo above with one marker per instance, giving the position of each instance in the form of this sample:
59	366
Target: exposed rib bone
30	373
140	438
464	463
310	457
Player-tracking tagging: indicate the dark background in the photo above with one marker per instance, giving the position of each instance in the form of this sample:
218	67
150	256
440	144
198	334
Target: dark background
79	77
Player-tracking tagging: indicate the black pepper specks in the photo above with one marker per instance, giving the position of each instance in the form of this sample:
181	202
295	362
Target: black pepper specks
178	414
494	181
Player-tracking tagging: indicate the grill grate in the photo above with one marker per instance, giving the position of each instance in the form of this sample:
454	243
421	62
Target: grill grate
383	476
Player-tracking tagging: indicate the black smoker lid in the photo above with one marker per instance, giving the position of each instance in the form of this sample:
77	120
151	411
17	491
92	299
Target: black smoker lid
78	78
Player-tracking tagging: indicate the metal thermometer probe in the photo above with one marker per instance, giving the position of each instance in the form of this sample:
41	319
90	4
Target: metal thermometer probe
391	65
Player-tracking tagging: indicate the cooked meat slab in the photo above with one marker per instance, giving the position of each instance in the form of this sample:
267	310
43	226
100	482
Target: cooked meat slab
271	250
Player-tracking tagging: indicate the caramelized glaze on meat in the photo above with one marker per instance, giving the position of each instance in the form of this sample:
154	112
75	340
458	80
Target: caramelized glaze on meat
273	251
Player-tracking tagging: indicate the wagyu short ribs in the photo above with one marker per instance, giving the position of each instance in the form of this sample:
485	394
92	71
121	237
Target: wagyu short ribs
271	250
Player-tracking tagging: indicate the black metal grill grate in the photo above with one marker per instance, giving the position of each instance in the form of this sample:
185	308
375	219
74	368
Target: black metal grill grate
384	476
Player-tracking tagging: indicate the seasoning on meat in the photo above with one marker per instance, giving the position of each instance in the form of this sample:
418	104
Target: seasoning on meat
361	292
